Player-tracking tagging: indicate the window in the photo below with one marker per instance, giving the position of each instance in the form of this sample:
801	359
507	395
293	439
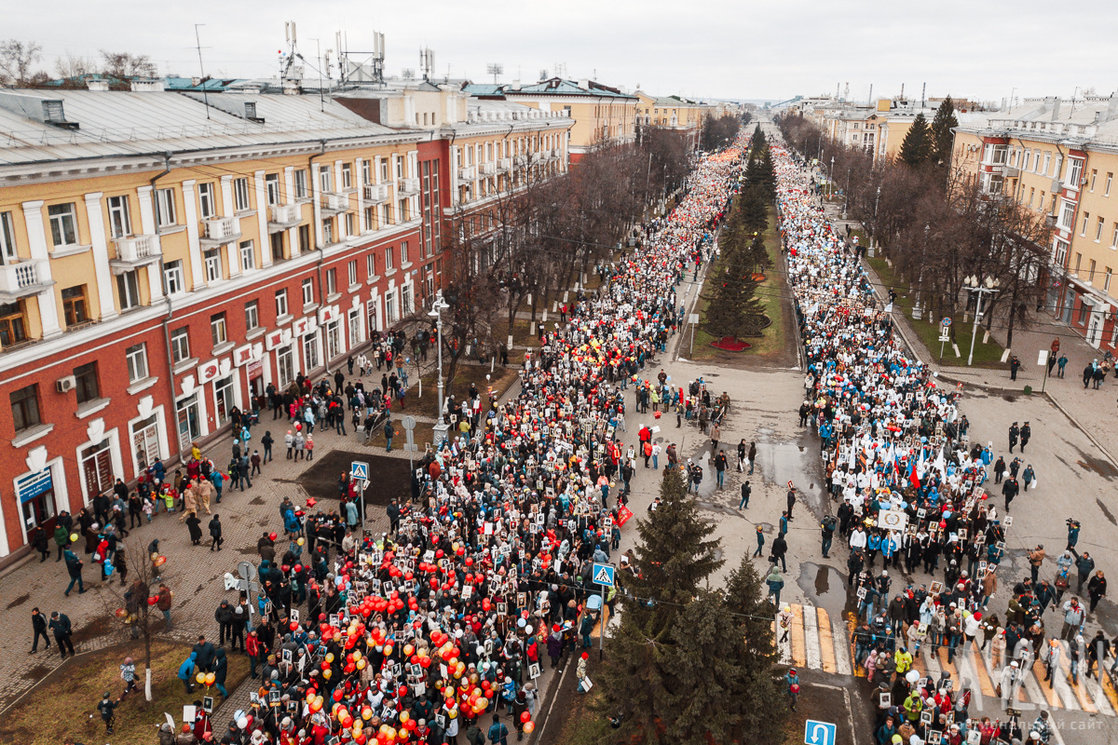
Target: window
351	270
252	315
331	282
1075	172
399	166
207	206
402	210
347	176
405	299
248	256
173	279
120	223
310	351
366	172
281	303
25	407
1109	180
74	307
301	184
333	340
350	224
371	261
1047	162
403	253
1091	272
390	308
13	327
128	290
240	194
324	180
389	259
1114	237
1083	310
164	207
328	231
1107	276
1098	229
308	291
180	345
371	314
212	259
370	219
223	399
384	177
271	186
137	358
1094	175
354	327
304	238
285	366
7	238
1067	214
63	224
86	386
217	329
1078	261
1083	226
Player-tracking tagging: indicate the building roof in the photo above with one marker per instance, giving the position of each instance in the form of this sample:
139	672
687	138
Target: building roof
124	123
561	87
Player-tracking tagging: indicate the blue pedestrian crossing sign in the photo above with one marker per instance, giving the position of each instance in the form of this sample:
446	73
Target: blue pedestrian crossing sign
603	575
819	733
359	470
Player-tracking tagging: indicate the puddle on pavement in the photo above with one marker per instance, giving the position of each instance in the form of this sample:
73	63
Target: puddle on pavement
19	601
823	585
1105	511
1100	466
781	462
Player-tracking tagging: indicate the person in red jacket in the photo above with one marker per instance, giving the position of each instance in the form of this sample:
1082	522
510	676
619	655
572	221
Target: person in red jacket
252	649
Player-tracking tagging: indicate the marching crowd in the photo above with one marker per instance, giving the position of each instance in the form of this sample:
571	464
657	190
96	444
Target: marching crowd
911	487
439	627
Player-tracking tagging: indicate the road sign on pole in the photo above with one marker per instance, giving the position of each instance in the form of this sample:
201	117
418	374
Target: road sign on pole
819	733
603	575
359	469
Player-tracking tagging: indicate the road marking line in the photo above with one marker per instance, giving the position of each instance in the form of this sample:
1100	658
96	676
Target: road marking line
811	638
842	649
826	641
783	647
798	655
985	684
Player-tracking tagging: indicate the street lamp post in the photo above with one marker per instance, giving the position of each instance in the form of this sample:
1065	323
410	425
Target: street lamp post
436	312
873	236
980	288
831	179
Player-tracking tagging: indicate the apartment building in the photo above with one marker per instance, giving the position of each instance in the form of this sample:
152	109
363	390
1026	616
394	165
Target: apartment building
1058	159
673	112
165	256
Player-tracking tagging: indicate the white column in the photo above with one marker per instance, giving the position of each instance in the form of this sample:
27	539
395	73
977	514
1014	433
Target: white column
359	179
232	255
190	217
261	190
37	243
316	193
102	275
148	227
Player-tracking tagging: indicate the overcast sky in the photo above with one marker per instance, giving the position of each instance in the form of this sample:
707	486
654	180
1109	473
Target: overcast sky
706	48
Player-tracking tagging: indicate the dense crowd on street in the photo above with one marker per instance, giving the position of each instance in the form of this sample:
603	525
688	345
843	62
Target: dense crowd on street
912	490
442	625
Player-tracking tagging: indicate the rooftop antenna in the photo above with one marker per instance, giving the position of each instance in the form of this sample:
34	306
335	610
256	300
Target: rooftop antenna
291	75
341	56
201	67
427	62
495	69
871	95
923	92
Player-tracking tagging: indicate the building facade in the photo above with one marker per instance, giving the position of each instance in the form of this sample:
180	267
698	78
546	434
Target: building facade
165	256
1058	159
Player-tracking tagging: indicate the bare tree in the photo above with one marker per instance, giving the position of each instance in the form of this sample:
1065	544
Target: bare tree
16	60
125	65
132	604
73	67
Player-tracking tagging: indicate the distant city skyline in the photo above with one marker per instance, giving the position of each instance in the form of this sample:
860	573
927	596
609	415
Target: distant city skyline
705	49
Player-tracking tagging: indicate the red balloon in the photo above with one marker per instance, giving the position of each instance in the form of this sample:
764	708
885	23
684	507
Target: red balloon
525	716
293	625
337	691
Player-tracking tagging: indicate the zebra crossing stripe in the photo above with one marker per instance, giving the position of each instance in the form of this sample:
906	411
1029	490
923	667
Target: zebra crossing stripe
826	641
985	684
783	644
811	638
843	652
799	658
1048	693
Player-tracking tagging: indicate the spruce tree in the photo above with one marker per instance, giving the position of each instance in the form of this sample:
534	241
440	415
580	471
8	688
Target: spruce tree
754	213
940	135
767	174
916	145
734	309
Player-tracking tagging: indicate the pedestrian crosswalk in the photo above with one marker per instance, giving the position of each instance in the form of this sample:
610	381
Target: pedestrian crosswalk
818	640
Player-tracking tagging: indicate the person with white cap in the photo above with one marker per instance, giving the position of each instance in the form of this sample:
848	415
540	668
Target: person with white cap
1008	683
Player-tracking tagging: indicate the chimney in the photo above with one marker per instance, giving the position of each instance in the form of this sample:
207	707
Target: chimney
97	84
1055	102
147	86
584	84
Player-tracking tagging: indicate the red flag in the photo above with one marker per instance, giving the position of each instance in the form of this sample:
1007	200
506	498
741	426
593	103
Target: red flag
623	515
912	477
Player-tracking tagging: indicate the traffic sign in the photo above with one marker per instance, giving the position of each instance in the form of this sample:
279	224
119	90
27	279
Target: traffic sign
819	733
408	422
359	469
603	575
945	322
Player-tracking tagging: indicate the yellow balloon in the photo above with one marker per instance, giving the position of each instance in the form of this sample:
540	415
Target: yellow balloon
388	649
74	538
356	654
201	678
453	713
326	673
361	664
300	541
330	657
210	678
404	716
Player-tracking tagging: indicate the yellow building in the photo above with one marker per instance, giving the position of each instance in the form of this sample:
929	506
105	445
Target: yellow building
673	112
1058	159
601	114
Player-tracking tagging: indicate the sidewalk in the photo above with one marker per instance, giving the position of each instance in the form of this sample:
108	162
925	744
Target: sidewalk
1092	410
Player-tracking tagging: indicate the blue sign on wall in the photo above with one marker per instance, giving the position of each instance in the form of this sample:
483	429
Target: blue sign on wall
34	484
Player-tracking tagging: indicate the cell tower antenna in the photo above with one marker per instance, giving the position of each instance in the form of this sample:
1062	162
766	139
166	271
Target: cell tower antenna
201	67
496	69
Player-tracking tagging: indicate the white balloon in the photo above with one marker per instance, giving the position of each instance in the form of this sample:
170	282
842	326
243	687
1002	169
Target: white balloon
912	676
242	722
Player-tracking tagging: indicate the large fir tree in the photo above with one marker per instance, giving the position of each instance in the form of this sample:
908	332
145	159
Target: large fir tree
689	665
940	135
916	145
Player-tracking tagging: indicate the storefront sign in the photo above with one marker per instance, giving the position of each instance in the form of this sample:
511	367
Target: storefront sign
34	484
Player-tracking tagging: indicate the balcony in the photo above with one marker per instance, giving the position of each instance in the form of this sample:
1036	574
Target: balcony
487	169
217	231
553	153
504	165
408	186
520	161
538	157
375	193
22	279
467	173
134	252
333	203
284	216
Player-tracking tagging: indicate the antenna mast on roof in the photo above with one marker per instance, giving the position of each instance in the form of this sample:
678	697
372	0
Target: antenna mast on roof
495	69
201	67
427	62
291	75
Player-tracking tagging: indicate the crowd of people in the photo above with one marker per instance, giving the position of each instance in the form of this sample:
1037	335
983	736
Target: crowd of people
441	625
910	486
